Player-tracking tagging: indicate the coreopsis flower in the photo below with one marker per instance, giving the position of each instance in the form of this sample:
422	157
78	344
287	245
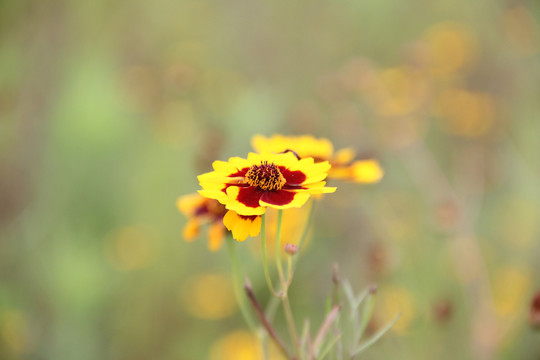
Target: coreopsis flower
249	186
200	211
343	163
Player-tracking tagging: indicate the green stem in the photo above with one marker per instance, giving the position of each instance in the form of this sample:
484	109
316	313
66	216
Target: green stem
237	285
279	264
290	323
284	286
304	235
265	257
263	340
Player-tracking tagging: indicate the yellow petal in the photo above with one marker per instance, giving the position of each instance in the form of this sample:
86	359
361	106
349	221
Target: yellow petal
230	219
214	194
240	226
216	234
191	230
367	171
344	156
304	146
188	204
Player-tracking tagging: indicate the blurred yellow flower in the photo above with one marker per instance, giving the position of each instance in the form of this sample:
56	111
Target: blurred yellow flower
451	47
466	113
343	164
241	345
398	91
208	296
199	211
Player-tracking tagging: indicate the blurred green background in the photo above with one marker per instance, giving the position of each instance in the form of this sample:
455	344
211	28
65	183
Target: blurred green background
109	110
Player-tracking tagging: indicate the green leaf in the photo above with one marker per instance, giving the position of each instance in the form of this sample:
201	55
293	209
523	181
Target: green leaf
376	337
329	346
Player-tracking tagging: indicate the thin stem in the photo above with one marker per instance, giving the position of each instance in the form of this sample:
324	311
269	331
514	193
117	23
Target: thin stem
237	285
292	266
265	257
263	339
279	264
264	321
289	270
290	322
305	233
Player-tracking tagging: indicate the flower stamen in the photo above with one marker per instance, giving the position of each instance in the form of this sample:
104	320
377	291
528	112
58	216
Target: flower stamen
266	177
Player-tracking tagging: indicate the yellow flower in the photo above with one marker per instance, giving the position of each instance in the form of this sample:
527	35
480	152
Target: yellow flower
241	345
248	186
199	211
451	47
343	163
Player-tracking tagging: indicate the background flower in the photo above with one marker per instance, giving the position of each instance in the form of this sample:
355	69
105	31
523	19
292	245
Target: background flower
202	211
344	165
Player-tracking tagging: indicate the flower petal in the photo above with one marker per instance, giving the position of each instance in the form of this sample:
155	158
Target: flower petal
244	200
216	235
284	199
214	194
296	177
242	226
191	230
188	204
367	171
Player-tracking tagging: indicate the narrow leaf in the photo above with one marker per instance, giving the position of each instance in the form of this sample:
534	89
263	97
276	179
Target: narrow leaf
376	337
329	346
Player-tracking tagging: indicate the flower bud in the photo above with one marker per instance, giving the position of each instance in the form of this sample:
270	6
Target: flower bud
291	249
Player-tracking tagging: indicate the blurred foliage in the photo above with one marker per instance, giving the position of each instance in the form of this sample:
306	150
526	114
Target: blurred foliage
109	109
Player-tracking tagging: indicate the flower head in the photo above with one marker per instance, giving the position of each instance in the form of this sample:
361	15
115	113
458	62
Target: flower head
248	186
199	211
344	165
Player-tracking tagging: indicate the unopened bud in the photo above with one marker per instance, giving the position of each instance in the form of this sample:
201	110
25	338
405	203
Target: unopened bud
291	249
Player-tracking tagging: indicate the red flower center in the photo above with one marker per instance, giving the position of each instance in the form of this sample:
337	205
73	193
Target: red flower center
266	177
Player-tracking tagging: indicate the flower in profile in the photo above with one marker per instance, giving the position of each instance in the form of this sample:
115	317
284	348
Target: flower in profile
249	186
200	211
344	166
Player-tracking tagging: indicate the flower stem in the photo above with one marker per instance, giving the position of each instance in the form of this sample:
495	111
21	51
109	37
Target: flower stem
303	238
279	264
290	323
237	285
265	257
264	321
284	286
